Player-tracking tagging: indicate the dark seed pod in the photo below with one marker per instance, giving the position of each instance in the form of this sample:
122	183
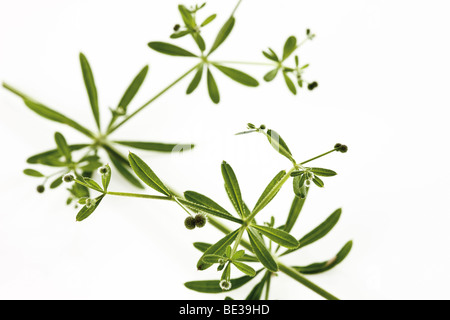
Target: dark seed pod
343	149
200	220
189	223
176	27
262	127
68	178
312	85
40	188
337	145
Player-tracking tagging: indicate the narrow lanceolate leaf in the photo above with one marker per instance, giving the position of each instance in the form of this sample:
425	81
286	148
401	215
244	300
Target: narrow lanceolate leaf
106	178
327	265
85	212
146	174
56	183
270	189
323	172
204	201
218	249
33	173
208	20
223	34
232	187
290	84
133	88
281	237
124	172
91	184
322	230
186	16
278	144
62	146
294	212
261	252
156	146
213	90
238	76
199	41
212	258
289	47
210	211
196	80
318	182
271	56
170	49
257	290
54	153
53	115
90	88
300	188
245	268
212	286
202	247
271	75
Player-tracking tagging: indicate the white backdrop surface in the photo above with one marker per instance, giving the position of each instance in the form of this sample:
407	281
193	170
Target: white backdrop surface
382	68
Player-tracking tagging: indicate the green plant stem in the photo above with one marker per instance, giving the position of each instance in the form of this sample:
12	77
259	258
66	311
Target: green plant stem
235	8
246	62
219	226
269	276
114	128
294	274
138	195
237	241
15	91
320	156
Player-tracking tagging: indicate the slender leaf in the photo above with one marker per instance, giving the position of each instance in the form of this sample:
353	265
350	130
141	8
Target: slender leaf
218	249
257	290
62	146
33	173
327	265
202	247
199	41
156	146
289	47
278	144
56	183
55	154
85	212
223	34
90	87
238	76
208	20
271	56
53	115
179	34
212	286
196	80
146	174
318	182
170	49
322	230
271	75
261	252
269	188
204	201
323	172
300	189
209	210
212	258
289	83
245	268
106	178
294	212
213	90
133	88
187	16
123	170
232	187
281	237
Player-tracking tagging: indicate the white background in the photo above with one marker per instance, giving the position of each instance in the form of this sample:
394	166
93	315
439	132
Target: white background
383	71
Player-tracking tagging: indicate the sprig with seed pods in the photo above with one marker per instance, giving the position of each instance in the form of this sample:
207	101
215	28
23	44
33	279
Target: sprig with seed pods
227	252
120	114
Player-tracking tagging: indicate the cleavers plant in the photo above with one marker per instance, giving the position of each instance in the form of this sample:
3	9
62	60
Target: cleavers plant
75	164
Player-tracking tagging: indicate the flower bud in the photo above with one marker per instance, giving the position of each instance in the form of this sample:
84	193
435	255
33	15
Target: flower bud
225	285
189	223
103	170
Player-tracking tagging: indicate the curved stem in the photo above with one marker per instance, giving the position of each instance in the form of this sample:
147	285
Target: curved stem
111	130
235	8
294	274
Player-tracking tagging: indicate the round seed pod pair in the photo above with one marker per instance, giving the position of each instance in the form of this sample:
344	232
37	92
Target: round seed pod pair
341	147
198	221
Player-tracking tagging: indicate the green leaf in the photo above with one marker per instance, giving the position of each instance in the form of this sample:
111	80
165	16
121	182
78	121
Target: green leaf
279	145
212	258
85	212
90	87
318	182
271	56
223	34
238	76
199	41
257	290
212	286
53	115
232	188
196	80
146	174
327	265
294	212
204	201
186	16
260	250
53	154
179	34
245	268
33	173
202	247
289	47
323	172
213	90
208	20
289	83
300	189
56	183
123	170
170	49
92	184
271	75
133	88
218	249
208	210
269	188
62	146
155	146
322	230
238	254
281	237
106	178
